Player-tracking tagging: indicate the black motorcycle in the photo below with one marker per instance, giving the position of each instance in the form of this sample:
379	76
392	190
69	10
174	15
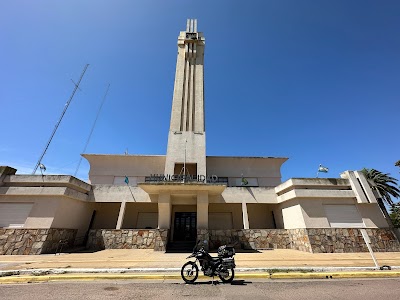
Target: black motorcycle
222	266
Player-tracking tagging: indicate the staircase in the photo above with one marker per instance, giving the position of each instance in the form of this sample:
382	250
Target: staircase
180	247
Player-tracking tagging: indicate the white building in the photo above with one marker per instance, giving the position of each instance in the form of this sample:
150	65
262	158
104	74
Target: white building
148	201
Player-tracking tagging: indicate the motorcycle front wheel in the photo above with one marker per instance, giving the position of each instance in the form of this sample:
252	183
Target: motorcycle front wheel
228	276
189	272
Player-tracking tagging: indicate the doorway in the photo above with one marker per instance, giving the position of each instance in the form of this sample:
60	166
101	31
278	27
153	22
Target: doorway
185	226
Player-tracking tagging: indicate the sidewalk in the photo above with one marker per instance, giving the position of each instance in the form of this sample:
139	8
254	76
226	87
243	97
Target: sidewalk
157	264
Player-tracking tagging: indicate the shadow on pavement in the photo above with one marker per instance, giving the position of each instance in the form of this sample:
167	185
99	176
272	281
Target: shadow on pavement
216	282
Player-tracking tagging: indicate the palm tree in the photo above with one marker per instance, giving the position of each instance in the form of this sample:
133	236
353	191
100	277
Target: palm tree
384	184
397	164
395	215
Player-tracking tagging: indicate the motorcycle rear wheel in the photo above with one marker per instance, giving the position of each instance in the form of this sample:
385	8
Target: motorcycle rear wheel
229	278
189	272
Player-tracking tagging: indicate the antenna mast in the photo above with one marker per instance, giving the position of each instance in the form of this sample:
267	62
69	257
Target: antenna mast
59	121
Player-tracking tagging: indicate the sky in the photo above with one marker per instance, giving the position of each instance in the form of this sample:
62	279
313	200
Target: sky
317	82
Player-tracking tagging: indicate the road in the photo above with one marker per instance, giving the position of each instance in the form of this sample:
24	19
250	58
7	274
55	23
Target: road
362	289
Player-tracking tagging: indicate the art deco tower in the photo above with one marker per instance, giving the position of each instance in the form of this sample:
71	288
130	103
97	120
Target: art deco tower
186	139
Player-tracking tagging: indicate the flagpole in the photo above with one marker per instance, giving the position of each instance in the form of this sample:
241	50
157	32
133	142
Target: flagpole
129	187
133	197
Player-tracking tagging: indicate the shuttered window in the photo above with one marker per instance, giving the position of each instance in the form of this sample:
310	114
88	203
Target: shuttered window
14	215
343	216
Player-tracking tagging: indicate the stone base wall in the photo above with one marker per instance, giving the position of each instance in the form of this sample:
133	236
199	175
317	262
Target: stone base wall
34	241
345	240
316	240
383	240
250	238
299	239
336	240
100	239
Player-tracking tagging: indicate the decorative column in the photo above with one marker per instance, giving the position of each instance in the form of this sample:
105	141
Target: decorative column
121	215
202	210
164	211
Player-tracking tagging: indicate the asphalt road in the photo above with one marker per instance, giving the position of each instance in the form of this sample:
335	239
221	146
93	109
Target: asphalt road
354	289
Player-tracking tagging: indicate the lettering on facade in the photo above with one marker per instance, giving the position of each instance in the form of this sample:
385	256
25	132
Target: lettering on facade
181	178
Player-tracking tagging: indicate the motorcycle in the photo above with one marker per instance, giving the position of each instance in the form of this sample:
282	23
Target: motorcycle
222	266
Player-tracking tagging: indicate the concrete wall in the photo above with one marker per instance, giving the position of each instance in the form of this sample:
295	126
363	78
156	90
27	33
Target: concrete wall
248	195
106	215
103	168
292	215
55	212
132	212
315	216
119	193
372	216
265	169
59	201
260	216
73	214
235	209
43	209
314	213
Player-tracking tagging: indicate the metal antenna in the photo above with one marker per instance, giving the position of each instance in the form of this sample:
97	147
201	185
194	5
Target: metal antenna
91	131
59	121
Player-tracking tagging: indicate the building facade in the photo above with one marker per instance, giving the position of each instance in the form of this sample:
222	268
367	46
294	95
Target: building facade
149	201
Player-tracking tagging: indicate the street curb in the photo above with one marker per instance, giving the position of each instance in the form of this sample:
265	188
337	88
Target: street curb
50	271
335	275
104	276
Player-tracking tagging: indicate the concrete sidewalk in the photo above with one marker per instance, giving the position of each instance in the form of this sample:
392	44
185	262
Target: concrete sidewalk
137	263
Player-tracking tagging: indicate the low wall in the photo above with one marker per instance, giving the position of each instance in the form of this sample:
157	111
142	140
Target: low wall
299	239
345	240
318	240
250	238
33	241
100	239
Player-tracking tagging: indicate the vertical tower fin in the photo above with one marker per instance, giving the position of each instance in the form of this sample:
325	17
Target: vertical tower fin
187	116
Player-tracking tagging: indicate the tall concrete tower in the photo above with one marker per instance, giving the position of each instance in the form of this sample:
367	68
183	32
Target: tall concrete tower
186	152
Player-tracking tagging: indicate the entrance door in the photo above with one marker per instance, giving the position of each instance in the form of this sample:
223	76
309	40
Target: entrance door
185	226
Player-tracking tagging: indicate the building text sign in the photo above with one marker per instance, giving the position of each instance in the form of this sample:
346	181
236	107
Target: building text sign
181	178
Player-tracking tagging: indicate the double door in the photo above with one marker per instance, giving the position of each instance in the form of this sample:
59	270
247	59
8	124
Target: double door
185	226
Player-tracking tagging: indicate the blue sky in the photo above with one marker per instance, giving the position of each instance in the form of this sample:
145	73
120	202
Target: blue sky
314	81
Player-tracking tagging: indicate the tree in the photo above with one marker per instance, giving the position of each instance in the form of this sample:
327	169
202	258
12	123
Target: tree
397	164
395	215
384	184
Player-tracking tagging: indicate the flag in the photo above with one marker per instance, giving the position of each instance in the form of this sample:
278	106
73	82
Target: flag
323	169
126	180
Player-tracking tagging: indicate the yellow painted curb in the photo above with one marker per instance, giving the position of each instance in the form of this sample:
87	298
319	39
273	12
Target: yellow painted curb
60	277
119	276
322	275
